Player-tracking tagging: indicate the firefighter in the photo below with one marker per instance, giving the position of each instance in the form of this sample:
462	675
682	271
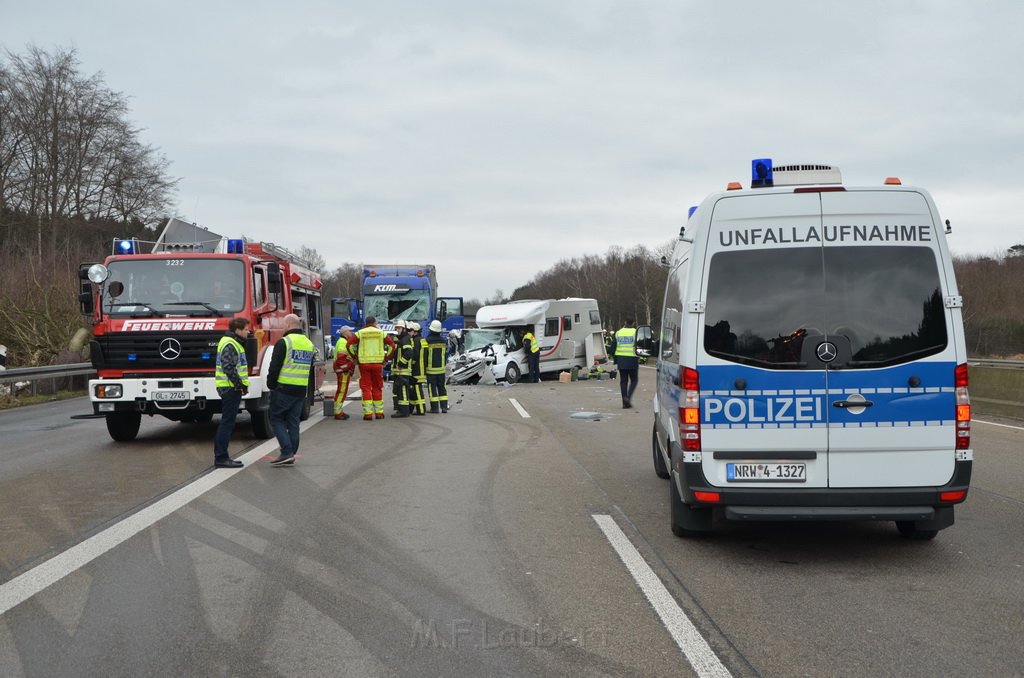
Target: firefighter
372	347
401	370
232	381
532	349
417	402
435	358
344	367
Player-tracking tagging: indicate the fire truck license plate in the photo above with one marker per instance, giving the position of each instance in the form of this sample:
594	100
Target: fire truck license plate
793	473
170	396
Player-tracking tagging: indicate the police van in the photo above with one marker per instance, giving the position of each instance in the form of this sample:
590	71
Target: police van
811	360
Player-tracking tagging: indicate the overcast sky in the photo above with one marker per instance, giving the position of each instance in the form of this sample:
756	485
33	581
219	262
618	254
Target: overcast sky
494	138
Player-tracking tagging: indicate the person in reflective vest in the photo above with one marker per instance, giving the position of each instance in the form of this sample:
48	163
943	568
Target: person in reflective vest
371	347
435	358
288	381
627	362
231	377
344	367
401	370
532	349
418	378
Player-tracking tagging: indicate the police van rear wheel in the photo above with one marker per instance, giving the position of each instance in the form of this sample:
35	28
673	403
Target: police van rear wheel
659	461
123	426
687	521
910	531
261	427
512	373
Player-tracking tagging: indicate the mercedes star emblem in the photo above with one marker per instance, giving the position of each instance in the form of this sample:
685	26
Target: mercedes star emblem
826	351
170	349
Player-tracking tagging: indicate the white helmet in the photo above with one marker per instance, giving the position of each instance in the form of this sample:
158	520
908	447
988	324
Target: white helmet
436	326
401	323
414	326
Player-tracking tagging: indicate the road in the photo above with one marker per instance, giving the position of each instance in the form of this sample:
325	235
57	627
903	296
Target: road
477	543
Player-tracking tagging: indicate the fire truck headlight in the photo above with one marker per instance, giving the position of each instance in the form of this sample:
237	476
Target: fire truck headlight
98	273
108	390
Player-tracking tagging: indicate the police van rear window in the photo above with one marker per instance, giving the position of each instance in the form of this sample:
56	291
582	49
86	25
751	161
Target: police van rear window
881	305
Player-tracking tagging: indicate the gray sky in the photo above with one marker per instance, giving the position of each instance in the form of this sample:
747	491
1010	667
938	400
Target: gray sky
494	138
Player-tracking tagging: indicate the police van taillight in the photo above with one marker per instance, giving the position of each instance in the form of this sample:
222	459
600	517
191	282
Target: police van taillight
963	408
689	410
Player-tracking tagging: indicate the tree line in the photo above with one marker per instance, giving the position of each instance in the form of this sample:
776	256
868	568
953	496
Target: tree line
74	175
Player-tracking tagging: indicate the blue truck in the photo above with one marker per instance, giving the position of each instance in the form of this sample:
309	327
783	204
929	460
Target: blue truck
392	292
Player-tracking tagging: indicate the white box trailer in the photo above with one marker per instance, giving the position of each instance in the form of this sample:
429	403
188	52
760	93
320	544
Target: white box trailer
569	333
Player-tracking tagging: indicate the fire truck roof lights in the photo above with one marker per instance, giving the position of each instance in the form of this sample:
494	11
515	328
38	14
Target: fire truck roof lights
236	246
126	246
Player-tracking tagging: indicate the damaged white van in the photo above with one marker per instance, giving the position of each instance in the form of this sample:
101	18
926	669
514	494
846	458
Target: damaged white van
811	359
568	332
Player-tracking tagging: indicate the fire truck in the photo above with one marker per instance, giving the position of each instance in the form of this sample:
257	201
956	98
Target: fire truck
157	319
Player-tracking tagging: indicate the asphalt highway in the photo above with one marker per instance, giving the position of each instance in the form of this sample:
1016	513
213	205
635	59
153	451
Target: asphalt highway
506	538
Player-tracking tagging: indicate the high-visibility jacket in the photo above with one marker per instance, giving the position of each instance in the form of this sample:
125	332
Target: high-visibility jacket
298	360
625	342
370	345
401	365
342	358
220	376
435	354
534	347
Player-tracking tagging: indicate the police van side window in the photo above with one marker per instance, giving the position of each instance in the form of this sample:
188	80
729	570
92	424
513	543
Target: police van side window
671	320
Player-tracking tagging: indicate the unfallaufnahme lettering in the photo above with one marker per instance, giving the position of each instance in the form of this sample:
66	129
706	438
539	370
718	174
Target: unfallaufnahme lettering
785	235
487	635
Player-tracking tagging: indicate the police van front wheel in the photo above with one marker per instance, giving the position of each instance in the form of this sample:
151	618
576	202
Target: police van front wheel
687	521
909	530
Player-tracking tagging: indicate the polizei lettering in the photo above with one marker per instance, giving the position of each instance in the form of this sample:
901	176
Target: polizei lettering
842	233
773	410
165	326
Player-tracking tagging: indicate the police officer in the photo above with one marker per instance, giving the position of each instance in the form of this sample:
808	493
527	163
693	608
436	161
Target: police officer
417	403
401	370
435	360
232	381
532	349
288	381
344	367
627	361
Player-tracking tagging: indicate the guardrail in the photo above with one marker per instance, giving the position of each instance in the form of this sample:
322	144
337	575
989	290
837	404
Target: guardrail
37	375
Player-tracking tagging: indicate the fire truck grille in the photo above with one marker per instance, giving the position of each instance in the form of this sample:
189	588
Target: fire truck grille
158	349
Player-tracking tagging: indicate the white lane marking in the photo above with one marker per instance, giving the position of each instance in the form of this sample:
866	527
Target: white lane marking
28	584
992	423
697	651
519	408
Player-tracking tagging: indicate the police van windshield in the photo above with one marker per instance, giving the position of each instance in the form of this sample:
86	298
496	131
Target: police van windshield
410	305
159	287
886	302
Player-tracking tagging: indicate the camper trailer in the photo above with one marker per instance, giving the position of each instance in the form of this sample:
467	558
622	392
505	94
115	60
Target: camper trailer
567	330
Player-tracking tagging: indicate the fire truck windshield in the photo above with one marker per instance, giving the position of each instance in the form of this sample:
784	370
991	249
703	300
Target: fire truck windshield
411	305
172	286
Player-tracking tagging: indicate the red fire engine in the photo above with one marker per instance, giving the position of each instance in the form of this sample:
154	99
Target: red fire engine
157	319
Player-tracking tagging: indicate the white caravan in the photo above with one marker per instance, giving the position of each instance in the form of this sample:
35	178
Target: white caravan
568	331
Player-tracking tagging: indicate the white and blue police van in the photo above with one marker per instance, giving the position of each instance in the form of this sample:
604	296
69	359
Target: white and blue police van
811	358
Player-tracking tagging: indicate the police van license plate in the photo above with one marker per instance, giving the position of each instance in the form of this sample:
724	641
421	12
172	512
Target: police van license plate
747	472
170	396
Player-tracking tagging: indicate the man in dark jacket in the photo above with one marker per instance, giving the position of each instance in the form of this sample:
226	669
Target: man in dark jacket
288	381
232	382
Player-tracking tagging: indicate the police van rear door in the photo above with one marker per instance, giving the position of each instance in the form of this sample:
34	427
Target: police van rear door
762	394
891	397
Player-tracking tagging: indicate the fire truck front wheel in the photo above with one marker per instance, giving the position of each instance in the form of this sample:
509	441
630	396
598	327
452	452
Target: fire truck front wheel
123	426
